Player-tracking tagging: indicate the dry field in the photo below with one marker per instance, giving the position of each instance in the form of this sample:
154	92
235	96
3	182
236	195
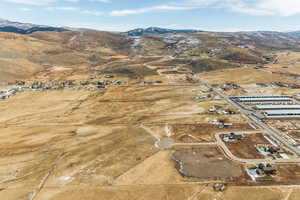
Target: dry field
91	142
288	174
246	148
253	89
189	133
76	144
243	76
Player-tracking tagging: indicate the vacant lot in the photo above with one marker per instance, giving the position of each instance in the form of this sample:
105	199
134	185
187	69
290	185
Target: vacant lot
246	148
288	174
206	163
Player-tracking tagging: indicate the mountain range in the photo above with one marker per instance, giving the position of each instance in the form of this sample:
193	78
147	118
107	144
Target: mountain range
28	28
157	30
25	28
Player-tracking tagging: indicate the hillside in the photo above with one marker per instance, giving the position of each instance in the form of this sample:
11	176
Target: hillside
21	56
86	52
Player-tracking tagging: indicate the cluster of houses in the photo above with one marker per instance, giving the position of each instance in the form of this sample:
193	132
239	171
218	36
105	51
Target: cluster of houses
220	110
20	86
273	151
221	123
55	85
103	83
5	94
265	170
229	86
232	137
267	150
262	172
45	85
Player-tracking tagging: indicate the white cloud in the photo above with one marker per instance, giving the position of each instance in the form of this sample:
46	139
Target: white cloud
250	7
77	9
104	27
30	2
91	12
64	8
149	9
280	7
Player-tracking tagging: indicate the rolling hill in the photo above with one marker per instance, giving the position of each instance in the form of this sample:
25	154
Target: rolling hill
24	55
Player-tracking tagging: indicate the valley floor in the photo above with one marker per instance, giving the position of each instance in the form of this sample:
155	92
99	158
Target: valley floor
76	144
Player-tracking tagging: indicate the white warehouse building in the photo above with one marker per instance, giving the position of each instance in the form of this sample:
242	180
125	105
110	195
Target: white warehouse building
282	114
262	98
277	107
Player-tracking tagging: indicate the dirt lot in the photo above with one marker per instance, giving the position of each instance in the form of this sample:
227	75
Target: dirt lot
189	133
288	174
246	147
206	163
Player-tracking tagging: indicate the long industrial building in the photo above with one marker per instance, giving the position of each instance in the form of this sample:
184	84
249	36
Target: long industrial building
282	114
271	106
277	107
262	98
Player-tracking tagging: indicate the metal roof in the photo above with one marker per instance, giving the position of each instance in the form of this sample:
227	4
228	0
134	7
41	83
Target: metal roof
275	107
266	99
258	97
281	116
282	112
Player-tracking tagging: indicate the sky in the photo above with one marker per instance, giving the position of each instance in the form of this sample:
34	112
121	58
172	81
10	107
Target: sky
123	15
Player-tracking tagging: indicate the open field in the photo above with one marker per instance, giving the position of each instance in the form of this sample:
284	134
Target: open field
162	192
78	138
243	76
288	174
201	132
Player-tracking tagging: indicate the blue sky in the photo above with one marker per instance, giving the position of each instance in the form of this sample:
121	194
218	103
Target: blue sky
121	15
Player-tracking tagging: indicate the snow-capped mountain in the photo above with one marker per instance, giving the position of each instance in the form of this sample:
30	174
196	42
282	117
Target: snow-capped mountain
25	28
157	30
